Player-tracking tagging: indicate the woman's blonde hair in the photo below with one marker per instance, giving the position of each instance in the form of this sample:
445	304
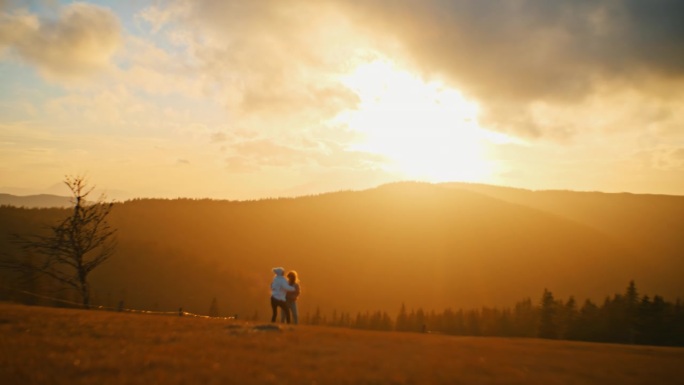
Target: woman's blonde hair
293	274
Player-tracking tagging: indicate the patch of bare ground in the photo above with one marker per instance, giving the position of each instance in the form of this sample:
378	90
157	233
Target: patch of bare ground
65	346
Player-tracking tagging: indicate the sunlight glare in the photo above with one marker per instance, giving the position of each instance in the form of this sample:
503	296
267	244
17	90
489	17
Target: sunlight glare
427	131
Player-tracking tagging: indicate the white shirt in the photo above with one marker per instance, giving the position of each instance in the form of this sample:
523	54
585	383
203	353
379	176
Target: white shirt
280	287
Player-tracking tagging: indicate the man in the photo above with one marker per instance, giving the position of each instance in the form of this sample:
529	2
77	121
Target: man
279	289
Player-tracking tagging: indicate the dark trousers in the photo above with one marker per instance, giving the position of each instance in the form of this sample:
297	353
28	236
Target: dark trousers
275	304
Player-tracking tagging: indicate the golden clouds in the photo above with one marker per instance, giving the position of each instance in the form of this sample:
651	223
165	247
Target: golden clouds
268	59
275	67
249	91
81	40
511	54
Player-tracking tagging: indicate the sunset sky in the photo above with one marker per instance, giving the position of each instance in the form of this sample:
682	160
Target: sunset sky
254	99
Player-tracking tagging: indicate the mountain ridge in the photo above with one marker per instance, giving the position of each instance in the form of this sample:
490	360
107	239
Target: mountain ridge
34	201
425	245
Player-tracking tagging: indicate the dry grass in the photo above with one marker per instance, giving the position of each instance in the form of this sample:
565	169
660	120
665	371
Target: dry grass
63	346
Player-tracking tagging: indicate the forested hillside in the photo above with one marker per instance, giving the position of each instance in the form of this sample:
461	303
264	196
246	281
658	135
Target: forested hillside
649	224
428	246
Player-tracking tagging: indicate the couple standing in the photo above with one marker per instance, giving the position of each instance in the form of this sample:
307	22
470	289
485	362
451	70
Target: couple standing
284	293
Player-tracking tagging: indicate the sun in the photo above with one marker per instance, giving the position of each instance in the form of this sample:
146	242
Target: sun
425	131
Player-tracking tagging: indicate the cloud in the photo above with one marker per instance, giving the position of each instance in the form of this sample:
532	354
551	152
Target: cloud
265	152
510	54
5	4
275	64
662	158
156	70
276	68
79	42
253	155
678	155
261	82
218	137
272	63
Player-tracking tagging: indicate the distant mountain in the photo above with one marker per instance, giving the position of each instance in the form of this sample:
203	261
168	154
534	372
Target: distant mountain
35	201
647	224
425	245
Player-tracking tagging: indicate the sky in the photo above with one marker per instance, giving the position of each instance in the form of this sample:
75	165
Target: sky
270	98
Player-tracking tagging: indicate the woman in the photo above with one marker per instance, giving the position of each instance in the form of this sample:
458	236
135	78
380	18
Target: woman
291	296
279	289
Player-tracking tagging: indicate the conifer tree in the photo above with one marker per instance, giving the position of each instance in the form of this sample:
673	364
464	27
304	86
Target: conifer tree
317	319
547	326
213	308
402	319
631	303
420	324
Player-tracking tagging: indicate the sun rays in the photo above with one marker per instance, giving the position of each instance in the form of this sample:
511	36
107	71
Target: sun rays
425	130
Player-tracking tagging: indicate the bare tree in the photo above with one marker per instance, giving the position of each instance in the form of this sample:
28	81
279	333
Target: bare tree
73	247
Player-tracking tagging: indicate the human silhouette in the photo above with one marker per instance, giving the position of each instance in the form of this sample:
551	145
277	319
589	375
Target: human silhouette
291	297
279	289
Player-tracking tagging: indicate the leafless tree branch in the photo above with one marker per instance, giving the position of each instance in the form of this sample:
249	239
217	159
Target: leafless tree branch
74	247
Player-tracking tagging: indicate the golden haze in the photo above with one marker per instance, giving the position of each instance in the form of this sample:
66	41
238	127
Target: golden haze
428	246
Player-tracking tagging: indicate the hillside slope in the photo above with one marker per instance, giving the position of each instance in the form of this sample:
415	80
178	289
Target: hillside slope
424	245
650	226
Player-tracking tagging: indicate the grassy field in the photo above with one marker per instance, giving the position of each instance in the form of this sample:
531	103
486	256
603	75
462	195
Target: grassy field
64	346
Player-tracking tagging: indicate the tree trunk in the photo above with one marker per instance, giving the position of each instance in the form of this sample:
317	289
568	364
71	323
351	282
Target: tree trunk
85	292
